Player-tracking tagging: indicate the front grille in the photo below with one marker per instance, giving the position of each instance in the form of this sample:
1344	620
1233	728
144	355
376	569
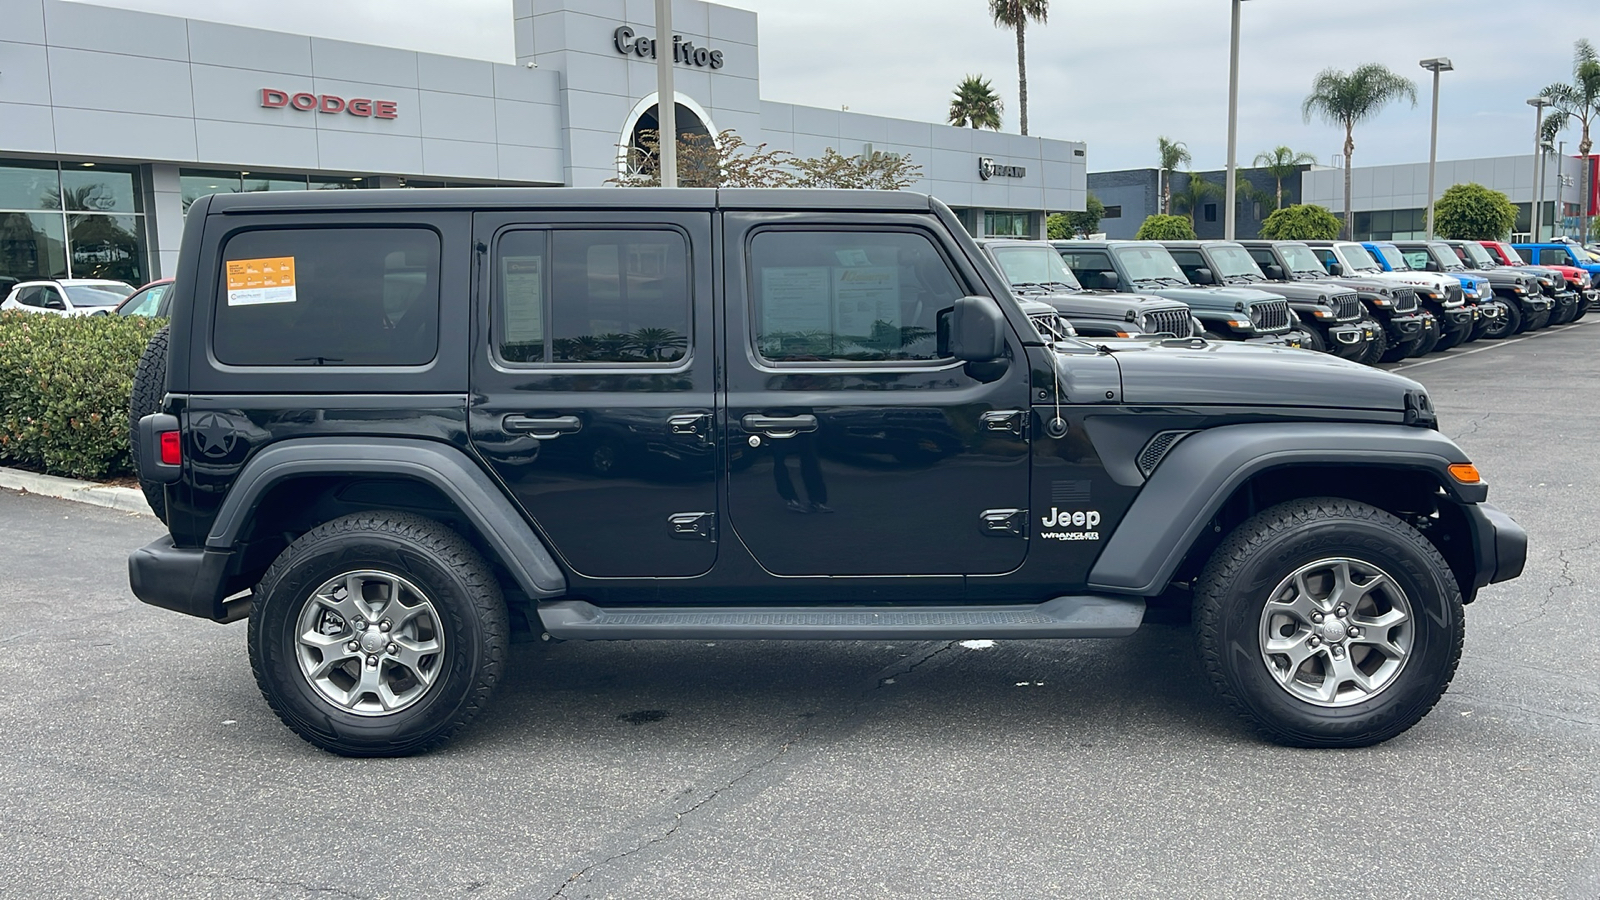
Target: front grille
1270	315
1346	308
1405	301
1176	322
1452	294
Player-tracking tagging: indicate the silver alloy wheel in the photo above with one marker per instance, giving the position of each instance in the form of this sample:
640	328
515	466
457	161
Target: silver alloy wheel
369	642
1336	632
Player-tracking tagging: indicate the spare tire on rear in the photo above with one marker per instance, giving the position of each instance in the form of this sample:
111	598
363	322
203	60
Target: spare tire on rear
149	386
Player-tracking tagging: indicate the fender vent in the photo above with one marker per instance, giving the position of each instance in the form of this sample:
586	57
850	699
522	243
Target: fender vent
1151	455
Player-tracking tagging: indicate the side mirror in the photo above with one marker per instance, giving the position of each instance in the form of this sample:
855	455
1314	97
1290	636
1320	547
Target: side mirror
977	330
1335	269
1203	275
1432	265
54	303
1273	271
1109	281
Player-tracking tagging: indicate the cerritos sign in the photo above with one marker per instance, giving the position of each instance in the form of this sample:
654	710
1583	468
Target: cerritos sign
330	104
683	51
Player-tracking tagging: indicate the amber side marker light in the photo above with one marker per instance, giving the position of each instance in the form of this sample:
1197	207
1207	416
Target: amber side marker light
1466	473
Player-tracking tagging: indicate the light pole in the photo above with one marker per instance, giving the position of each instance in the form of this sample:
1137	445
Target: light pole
1437	65
1538	104
1229	209
666	95
1561	186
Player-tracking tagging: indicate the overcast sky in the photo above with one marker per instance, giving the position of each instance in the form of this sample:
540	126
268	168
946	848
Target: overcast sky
1114	73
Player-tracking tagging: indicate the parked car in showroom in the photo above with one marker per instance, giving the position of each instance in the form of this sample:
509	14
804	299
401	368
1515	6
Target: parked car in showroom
1036	271
1331	315
67	297
153	300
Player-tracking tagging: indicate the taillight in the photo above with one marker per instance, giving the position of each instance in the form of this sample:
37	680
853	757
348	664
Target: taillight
171	448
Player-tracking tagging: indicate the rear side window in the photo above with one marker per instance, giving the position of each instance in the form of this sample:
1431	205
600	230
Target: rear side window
567	296
329	297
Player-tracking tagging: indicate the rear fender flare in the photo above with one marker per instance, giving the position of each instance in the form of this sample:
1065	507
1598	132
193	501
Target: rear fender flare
446	468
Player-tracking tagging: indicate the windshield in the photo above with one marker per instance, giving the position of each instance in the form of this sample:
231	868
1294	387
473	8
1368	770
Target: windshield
1150	264
1392	256
1445	257
1478	256
1358	258
1235	262
1301	260
1586	255
1040	265
83	295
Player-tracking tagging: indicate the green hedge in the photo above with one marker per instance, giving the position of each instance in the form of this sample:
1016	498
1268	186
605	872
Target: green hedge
64	389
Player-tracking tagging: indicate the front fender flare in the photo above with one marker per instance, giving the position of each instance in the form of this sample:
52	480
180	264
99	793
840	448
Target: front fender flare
1197	477
446	468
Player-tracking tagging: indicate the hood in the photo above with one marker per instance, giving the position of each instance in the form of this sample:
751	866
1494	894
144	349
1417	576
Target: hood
1430	281
1107	305
1225	373
1306	290
1216	297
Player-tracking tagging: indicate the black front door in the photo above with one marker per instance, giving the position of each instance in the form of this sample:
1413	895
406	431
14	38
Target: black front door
855	446
592	384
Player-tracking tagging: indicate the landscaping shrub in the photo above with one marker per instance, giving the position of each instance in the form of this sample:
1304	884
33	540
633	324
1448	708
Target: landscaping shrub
1166	228
64	389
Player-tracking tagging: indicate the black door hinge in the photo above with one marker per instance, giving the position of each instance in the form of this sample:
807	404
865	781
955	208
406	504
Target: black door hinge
693	526
1004	522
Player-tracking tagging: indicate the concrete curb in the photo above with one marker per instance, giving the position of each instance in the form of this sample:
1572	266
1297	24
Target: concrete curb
119	498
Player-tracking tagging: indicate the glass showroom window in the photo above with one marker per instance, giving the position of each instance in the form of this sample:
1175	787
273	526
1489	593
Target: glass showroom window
1007	224
78	220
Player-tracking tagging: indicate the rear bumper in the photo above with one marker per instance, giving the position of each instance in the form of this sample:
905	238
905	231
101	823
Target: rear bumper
1499	544
190	581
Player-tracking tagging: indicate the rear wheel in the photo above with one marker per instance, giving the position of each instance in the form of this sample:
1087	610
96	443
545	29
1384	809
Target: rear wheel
1329	623
378	634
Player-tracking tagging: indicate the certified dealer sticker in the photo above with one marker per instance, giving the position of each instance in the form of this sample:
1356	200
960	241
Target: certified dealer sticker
1082	525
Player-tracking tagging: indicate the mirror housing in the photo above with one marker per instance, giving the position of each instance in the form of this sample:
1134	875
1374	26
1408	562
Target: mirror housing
1273	271
1110	281
1335	269
1203	275
55	303
1432	265
977	330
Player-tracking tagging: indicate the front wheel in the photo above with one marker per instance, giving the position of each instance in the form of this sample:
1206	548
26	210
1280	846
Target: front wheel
1329	623
378	634
1506	325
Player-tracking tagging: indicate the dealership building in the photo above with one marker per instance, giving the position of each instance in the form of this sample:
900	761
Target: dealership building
112	122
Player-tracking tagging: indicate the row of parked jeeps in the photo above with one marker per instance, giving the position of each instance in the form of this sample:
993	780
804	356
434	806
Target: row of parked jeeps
1369	302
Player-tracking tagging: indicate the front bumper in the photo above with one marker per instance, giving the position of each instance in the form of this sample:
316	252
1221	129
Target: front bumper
1499	545
1350	340
190	581
1291	338
1404	326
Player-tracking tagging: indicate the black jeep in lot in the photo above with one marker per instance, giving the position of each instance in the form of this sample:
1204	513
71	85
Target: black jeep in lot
1389	313
1036	271
1330	314
837	423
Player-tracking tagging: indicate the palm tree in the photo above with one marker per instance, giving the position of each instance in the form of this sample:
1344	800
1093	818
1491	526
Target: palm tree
975	103
1280	162
1014	14
1196	191
1173	154
1342	99
1579	100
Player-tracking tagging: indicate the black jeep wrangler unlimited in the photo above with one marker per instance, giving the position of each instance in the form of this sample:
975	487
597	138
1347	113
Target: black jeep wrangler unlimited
386	424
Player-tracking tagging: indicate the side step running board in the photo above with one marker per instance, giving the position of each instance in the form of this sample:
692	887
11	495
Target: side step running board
1064	617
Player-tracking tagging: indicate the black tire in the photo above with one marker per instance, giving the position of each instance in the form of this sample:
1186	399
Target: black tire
1507	325
1252	566
1583	308
467	610
1535	321
149	386
1430	340
1452	338
1314	340
1379	345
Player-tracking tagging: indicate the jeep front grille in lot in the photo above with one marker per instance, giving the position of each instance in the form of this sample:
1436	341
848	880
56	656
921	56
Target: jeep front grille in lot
1176	322
1346	308
1151	455
1272	315
1405	301
1452	294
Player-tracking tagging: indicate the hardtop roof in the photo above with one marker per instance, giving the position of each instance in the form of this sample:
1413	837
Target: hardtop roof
573	198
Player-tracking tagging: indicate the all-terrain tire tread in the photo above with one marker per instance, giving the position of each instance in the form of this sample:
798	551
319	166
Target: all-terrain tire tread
454	553
1236	551
149	386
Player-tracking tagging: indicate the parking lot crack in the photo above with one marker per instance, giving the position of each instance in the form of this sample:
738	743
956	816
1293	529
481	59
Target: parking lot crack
1565	574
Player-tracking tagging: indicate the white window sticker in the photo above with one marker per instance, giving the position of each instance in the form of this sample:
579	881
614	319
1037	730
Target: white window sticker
256	281
794	300
863	297
524	299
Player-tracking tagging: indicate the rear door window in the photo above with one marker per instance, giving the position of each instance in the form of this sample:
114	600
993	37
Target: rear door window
328	297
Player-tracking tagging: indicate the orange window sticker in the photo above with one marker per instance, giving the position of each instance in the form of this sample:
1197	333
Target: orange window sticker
254	281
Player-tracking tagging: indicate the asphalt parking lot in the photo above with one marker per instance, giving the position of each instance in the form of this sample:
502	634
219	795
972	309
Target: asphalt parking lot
140	761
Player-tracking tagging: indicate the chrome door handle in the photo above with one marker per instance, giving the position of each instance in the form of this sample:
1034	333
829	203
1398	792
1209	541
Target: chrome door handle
778	427
541	429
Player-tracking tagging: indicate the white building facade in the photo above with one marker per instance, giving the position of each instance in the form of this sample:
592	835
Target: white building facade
112	121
